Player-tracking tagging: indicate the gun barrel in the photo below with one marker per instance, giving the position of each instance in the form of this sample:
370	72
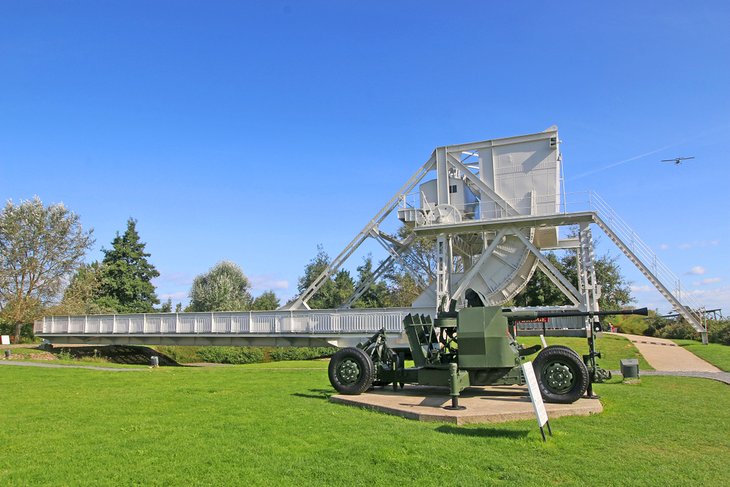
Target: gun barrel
558	314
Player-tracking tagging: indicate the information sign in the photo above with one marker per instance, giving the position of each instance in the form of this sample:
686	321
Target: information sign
536	398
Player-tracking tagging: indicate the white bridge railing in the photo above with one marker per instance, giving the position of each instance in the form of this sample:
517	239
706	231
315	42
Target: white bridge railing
324	322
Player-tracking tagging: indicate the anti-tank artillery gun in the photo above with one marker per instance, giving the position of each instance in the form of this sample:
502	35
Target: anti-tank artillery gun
471	347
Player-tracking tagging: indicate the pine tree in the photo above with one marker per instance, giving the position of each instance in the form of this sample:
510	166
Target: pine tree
127	275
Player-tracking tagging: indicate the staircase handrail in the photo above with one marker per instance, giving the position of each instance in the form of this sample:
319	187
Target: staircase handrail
642	251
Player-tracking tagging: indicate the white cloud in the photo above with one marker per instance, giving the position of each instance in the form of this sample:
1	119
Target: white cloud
641	289
178	278
712	297
710	280
663	246
698	244
174	296
267	282
697	270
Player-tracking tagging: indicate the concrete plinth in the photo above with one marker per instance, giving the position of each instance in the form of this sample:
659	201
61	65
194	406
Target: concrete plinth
493	404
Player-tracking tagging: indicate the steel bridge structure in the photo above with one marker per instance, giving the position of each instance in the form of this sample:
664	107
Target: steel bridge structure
491	207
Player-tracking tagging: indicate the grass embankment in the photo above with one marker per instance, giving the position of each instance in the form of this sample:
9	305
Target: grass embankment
714	353
242	355
613	348
60	357
242	425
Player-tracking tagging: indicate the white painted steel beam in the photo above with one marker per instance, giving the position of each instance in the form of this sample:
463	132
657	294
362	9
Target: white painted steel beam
337	262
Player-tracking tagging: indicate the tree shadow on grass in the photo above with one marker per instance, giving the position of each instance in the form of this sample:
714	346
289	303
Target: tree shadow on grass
482	432
322	394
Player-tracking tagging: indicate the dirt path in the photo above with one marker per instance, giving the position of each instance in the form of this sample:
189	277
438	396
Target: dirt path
666	356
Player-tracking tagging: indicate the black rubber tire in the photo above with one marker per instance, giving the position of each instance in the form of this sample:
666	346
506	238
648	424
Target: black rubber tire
351	371
565	347
567	363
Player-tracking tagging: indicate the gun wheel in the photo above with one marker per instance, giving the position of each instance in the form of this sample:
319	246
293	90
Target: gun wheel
561	375
351	371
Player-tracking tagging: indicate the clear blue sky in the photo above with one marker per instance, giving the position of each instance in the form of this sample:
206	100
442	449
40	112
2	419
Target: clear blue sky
253	131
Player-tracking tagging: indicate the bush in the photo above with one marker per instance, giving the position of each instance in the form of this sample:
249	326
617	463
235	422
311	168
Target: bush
635	325
242	355
719	332
681	331
26	331
300	353
231	355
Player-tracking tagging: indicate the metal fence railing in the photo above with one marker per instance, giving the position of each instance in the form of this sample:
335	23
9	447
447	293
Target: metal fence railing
333	321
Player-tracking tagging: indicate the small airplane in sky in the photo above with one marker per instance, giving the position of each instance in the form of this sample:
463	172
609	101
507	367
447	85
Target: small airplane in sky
678	160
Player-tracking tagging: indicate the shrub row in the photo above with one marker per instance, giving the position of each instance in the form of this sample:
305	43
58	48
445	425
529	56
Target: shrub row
299	353
243	355
231	355
718	331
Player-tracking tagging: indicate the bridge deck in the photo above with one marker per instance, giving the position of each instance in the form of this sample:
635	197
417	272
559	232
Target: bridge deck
336	327
283	328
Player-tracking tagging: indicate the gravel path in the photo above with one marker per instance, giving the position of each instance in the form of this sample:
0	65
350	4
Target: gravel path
666	356
718	376
58	366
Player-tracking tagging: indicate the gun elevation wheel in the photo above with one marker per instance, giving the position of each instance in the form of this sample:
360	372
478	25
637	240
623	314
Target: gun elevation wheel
561	375
351	371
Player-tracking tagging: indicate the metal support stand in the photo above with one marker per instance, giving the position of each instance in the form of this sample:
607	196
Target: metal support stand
590	361
454	384
589	391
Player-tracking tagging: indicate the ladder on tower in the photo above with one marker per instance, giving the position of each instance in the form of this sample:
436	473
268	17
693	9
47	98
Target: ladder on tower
648	263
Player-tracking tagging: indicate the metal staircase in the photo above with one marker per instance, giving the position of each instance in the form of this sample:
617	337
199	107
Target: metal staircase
648	263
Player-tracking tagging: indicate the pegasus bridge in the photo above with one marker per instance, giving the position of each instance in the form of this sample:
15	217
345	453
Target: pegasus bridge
492	208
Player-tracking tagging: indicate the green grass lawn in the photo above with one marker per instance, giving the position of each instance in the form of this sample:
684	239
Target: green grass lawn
259	425
613	348
715	353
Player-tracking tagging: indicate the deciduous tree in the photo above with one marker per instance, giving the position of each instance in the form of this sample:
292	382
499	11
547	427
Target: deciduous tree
40	248
377	295
334	291
615	290
82	294
223	288
266	301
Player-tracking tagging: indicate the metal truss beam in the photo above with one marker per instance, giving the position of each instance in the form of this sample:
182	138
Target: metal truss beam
552	272
337	262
